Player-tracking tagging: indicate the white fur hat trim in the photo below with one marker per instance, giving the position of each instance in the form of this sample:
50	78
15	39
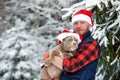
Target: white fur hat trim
82	17
61	36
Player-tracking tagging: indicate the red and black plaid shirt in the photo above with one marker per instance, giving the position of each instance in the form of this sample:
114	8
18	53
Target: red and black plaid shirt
86	54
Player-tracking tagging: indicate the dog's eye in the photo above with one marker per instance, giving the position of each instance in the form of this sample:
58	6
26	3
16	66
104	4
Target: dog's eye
76	40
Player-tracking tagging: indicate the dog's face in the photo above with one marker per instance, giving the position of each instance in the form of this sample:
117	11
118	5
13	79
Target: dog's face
70	43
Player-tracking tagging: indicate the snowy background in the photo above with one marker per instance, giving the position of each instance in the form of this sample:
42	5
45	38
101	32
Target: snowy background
28	29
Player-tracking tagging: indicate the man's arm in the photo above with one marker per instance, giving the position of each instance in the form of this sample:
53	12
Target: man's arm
87	53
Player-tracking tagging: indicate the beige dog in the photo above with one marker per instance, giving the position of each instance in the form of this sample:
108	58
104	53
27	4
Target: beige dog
64	50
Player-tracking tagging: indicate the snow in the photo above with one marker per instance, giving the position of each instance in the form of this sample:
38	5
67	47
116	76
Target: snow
119	20
114	61
100	77
115	23
34	31
11	54
17	74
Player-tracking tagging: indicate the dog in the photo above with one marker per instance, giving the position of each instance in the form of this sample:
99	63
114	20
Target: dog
64	50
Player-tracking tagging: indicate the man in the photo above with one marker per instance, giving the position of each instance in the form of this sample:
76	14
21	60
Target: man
83	65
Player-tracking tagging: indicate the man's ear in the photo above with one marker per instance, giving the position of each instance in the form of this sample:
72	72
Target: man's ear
90	28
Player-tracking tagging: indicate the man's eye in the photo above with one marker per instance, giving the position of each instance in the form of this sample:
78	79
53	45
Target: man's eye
75	23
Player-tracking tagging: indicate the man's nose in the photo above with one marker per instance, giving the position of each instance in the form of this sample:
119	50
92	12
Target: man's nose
79	24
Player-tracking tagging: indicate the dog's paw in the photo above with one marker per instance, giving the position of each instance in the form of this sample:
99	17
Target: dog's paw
47	62
68	55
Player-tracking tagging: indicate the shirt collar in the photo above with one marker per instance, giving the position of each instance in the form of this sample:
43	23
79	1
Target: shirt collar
87	34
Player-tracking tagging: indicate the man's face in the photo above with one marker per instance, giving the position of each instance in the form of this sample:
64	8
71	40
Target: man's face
81	27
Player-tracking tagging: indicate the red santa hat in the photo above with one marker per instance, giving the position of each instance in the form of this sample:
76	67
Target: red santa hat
84	15
67	33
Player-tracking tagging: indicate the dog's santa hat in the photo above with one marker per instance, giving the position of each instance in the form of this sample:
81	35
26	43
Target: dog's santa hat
67	33
84	15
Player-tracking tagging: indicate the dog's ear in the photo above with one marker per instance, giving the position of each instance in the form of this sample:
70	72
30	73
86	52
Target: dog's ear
64	39
62	45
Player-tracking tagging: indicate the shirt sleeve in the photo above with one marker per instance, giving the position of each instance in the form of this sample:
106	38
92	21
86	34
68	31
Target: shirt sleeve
87	53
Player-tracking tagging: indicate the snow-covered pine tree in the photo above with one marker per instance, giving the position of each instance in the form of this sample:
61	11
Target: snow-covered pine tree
42	15
107	17
19	55
35	24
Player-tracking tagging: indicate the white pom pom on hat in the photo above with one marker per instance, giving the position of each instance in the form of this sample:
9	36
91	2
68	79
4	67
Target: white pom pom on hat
84	15
67	33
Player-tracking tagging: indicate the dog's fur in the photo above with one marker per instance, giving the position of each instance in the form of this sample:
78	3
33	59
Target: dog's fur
64	50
